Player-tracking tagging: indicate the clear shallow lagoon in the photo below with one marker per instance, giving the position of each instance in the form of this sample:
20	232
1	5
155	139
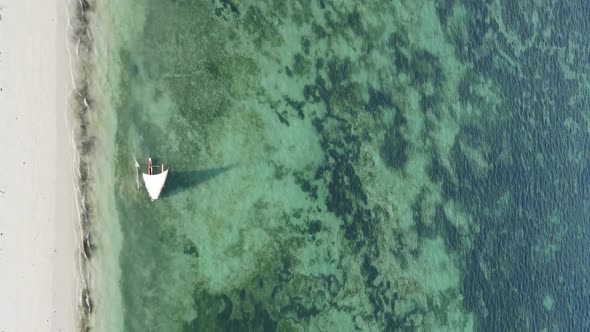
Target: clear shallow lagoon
340	166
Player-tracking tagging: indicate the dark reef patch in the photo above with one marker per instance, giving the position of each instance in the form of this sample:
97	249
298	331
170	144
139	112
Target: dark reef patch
318	31
453	238
339	71
394	148
346	197
354	22
314	227
301	65
263	30
305	45
306	185
226	8
190	248
295	105
423	229
282	118
425	67
438	173
336	89
215	314
378	100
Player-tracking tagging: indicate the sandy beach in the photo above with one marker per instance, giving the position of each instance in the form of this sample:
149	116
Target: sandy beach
38	251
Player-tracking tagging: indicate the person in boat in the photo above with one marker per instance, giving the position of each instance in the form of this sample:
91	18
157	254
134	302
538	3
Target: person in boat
150	168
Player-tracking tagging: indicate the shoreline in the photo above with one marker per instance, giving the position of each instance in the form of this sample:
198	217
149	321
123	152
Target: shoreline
39	243
93	75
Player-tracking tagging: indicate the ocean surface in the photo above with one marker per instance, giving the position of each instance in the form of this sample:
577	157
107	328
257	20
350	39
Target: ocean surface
340	165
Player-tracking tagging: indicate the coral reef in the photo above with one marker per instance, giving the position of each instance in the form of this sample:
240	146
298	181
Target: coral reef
395	165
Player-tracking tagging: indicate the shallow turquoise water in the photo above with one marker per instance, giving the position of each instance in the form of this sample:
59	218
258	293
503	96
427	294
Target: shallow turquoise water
341	166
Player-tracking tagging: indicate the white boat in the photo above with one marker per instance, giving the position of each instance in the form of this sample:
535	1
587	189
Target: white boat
154	182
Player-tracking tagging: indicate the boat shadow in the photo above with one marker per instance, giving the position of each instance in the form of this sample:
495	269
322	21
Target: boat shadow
179	181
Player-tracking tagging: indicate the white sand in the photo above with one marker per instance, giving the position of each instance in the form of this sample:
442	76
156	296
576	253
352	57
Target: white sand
38	251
